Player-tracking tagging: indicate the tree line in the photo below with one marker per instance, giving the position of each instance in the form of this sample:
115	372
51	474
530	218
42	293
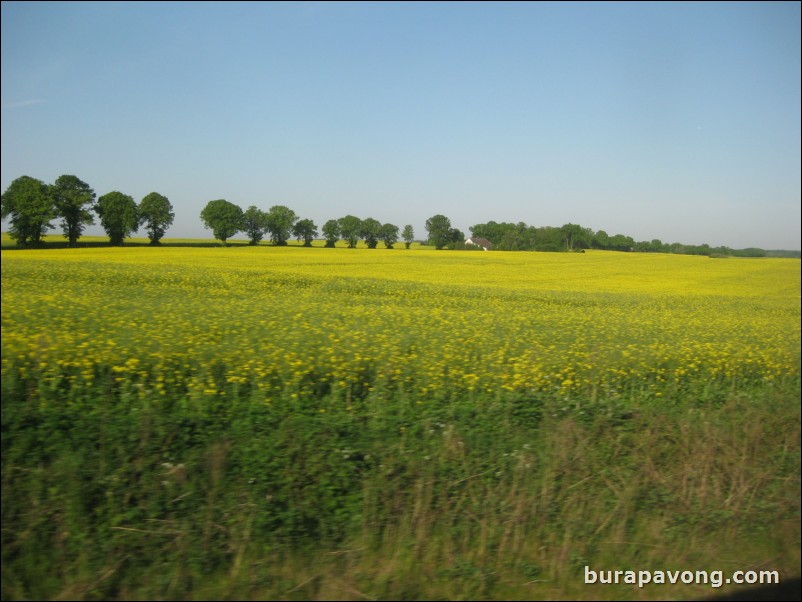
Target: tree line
573	237
225	219
32	206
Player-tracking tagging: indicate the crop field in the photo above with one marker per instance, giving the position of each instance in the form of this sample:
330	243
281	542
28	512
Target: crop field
310	423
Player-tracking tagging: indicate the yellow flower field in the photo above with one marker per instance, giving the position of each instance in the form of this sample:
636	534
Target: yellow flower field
311	322
279	423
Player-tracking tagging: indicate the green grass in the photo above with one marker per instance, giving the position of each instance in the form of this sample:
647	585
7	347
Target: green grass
113	496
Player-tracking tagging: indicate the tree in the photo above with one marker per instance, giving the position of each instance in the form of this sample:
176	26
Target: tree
280	220
74	200
370	232
224	219
601	240
331	232
619	242
439	229
572	233
350	229
456	237
548	238
389	235
305	229
156	214
254	224
408	235
29	203
118	216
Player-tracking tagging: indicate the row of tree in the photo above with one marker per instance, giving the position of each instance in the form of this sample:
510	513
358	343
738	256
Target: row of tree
32	205
225	219
573	237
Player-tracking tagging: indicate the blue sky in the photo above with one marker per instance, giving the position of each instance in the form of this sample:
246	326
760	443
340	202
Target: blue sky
673	121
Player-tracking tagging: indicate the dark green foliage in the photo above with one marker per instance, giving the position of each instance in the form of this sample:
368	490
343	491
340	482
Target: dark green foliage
389	235
439	229
224	219
156	214
29	203
254	224
408	235
74	200
370	232
118	215
331	232
350	229
305	230
576	237
280	221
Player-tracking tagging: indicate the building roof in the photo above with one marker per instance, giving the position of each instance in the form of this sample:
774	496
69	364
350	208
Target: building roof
479	242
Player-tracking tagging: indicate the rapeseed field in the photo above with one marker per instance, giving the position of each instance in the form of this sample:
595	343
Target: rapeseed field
244	403
289	321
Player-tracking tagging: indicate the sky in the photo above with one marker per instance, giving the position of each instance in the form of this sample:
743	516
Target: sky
675	121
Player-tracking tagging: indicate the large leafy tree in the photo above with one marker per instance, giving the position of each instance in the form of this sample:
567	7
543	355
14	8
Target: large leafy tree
439	229
254	224
389	234
29	204
224	219
156	214
350	229
119	216
280	220
74	200
573	236
408	235
331	232
601	240
305	229
370	231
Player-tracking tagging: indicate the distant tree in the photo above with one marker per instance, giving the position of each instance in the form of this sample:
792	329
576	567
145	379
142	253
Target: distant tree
370	232
350	229
74	200
254	224
119	216
224	219
439	229
331	232
29	203
549	238
305	229
619	242
408	235
601	240
490	231
280	220
156	214
389	235
572	235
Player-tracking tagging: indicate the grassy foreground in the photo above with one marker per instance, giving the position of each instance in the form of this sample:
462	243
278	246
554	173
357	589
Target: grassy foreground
251	423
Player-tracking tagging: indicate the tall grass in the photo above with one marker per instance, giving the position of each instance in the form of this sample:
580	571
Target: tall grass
117	497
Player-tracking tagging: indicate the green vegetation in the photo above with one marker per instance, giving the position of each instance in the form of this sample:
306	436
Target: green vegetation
73	201
156	214
31	204
119	216
341	424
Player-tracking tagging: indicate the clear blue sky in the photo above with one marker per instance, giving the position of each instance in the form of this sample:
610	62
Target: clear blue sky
673	121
